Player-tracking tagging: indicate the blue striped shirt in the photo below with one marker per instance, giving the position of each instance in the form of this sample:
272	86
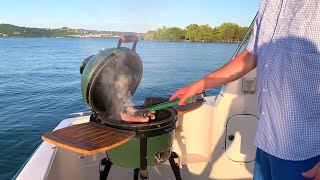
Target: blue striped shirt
286	40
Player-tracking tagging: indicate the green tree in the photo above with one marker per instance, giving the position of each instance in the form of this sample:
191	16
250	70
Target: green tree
174	34
206	33
193	33
150	35
161	33
242	31
216	36
228	31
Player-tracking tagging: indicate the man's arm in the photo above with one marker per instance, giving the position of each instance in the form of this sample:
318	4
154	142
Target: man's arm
236	68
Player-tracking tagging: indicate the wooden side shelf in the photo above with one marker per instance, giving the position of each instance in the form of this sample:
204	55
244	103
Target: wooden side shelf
88	138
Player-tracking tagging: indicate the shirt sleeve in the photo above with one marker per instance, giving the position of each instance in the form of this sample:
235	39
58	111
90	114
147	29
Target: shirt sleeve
252	45
253	41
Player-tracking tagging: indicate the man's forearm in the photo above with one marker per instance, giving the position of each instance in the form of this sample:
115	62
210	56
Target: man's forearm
236	68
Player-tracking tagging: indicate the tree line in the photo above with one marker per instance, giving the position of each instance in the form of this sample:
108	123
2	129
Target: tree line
226	32
11	30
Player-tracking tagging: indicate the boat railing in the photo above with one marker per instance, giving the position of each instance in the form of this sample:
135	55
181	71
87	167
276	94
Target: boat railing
83	113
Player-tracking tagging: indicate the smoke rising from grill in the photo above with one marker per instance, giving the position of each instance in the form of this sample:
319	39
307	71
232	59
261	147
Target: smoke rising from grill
118	78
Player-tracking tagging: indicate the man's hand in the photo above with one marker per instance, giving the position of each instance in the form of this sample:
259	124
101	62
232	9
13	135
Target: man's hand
236	68
313	173
187	92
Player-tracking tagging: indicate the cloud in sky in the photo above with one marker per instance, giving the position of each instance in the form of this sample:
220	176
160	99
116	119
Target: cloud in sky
1	21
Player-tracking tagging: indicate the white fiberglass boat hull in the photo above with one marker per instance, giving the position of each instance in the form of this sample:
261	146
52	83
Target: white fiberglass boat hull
214	141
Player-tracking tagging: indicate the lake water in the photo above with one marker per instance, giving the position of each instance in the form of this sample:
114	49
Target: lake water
40	83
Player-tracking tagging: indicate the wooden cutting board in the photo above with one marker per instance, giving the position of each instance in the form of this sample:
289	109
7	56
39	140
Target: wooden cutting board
88	138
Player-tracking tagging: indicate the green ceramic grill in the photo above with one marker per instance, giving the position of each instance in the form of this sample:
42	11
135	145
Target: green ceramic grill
109	79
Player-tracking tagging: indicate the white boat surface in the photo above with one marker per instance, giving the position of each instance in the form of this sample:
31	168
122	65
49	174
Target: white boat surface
213	142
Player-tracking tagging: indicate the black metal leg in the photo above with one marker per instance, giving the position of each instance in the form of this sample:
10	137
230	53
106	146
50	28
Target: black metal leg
105	172
144	174
136	174
140	174
175	166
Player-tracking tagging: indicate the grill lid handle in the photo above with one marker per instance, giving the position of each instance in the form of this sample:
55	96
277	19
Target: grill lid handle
128	39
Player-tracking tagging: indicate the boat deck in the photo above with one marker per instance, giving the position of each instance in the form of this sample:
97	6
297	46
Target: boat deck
72	166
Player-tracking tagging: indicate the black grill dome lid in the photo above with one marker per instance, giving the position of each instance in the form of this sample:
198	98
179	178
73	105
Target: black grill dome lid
111	77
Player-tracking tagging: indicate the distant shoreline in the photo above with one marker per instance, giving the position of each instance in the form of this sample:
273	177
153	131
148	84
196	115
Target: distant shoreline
234	42
59	37
8	30
225	33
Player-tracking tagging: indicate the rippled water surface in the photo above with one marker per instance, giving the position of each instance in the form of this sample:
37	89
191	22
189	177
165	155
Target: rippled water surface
40	83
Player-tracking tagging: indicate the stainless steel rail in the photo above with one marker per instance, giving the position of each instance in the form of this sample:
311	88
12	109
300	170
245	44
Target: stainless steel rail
244	39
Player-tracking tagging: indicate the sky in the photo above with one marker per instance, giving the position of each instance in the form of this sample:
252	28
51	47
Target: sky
126	15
